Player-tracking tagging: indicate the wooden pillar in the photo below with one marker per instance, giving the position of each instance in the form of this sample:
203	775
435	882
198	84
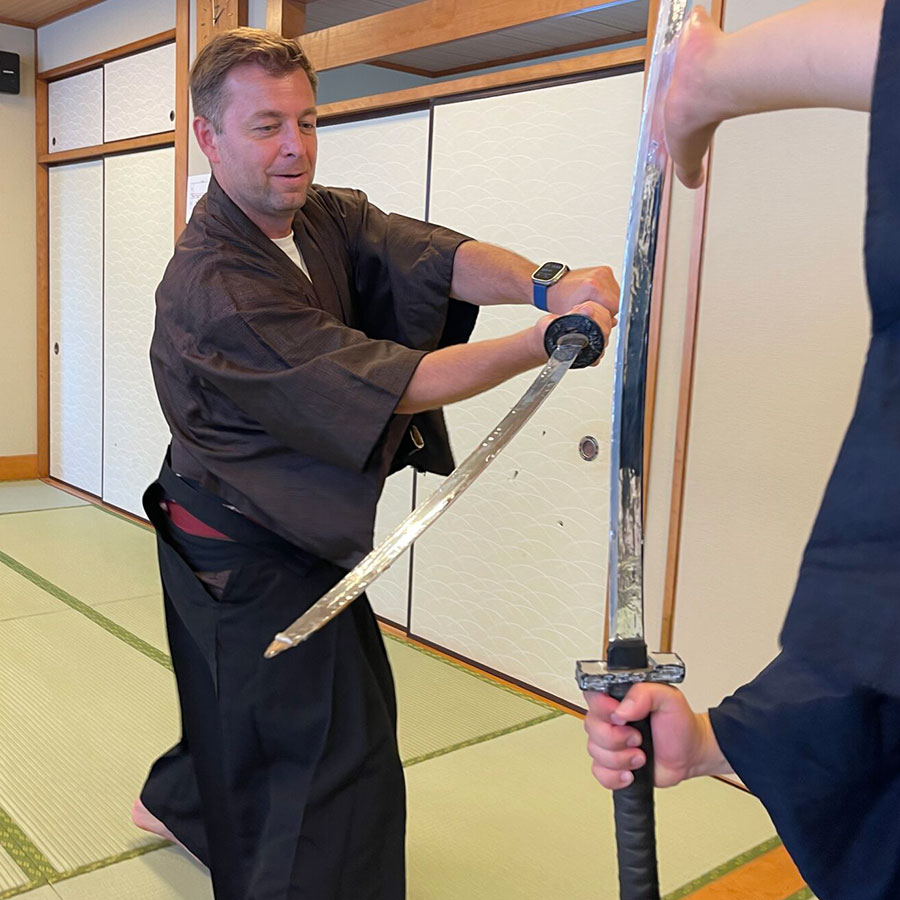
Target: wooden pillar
214	16
182	109
286	17
43	274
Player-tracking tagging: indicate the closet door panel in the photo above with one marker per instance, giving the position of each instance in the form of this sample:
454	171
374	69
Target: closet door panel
388	159
140	94
76	324
514	575
139	211
75	111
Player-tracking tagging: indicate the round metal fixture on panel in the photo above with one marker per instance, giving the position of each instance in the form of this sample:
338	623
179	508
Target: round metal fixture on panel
589	448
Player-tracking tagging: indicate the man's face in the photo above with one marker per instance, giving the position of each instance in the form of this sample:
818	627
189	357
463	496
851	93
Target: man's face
265	156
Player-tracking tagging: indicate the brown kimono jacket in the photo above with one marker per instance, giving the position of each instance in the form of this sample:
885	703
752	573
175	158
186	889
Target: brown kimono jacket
280	393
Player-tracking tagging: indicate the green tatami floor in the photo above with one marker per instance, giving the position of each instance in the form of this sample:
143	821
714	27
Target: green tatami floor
502	805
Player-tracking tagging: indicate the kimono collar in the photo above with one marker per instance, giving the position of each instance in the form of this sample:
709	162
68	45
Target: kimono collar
324	284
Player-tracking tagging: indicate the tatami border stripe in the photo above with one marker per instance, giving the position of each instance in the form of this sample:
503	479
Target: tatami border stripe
56	877
25	512
471	742
111	860
25	854
726	867
89	612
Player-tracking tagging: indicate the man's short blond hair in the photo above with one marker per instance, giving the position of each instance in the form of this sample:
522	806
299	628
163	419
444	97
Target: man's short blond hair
277	55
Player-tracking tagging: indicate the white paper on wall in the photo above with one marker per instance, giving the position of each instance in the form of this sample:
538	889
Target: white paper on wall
197	186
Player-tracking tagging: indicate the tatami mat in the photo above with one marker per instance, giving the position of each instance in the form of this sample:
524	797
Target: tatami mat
443	706
83	716
20	598
11	876
92	554
521	818
19	496
41	893
87	701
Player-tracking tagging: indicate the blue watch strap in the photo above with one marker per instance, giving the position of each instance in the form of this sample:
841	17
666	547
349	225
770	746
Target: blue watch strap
539	296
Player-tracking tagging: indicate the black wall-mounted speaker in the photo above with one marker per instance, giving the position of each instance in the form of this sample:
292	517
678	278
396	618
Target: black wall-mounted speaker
9	73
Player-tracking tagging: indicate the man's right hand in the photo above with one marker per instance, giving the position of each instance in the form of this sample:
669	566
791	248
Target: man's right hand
684	745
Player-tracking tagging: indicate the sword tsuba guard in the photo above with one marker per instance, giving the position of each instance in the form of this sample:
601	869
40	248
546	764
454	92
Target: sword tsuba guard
661	668
574	323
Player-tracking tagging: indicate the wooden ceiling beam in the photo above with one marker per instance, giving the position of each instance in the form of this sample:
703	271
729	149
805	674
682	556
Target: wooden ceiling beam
425	24
623	38
16	23
286	17
561	68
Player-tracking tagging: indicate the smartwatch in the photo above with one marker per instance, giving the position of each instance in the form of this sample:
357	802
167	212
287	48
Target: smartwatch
542	278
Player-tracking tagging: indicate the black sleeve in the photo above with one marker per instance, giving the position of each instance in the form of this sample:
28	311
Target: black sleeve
820	753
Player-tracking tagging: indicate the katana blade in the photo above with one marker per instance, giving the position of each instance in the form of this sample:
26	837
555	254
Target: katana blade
571	348
627	659
626	600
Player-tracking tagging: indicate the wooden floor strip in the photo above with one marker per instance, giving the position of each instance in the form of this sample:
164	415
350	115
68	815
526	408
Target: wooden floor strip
771	876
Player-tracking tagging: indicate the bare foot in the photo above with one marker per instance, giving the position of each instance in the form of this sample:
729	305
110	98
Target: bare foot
145	820
691	115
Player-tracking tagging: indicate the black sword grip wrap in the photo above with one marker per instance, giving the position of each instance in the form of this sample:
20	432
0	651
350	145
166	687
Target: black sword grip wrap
574	323
635	823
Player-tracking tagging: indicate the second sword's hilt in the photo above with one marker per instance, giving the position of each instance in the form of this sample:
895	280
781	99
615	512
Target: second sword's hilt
628	664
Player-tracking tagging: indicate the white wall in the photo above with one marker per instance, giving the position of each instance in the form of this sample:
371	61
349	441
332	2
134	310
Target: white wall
18	359
105	26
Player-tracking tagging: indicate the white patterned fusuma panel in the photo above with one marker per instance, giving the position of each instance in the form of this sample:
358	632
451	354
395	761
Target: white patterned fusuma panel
75	111
140	94
514	575
76	324
388	159
140	212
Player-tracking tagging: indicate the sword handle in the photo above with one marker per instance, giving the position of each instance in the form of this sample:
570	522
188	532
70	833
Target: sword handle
635	822
576	324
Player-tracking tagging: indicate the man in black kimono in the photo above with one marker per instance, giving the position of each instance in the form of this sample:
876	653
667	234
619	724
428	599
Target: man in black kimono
816	735
304	344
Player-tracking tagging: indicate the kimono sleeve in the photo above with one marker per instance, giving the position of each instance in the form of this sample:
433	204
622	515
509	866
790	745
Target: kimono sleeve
402	273
299	374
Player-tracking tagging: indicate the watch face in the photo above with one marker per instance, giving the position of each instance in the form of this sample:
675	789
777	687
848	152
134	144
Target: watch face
548	271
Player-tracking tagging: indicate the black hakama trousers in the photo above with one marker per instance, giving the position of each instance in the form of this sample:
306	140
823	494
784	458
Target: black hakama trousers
287	781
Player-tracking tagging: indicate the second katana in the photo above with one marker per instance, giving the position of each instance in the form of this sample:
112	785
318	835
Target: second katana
627	660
